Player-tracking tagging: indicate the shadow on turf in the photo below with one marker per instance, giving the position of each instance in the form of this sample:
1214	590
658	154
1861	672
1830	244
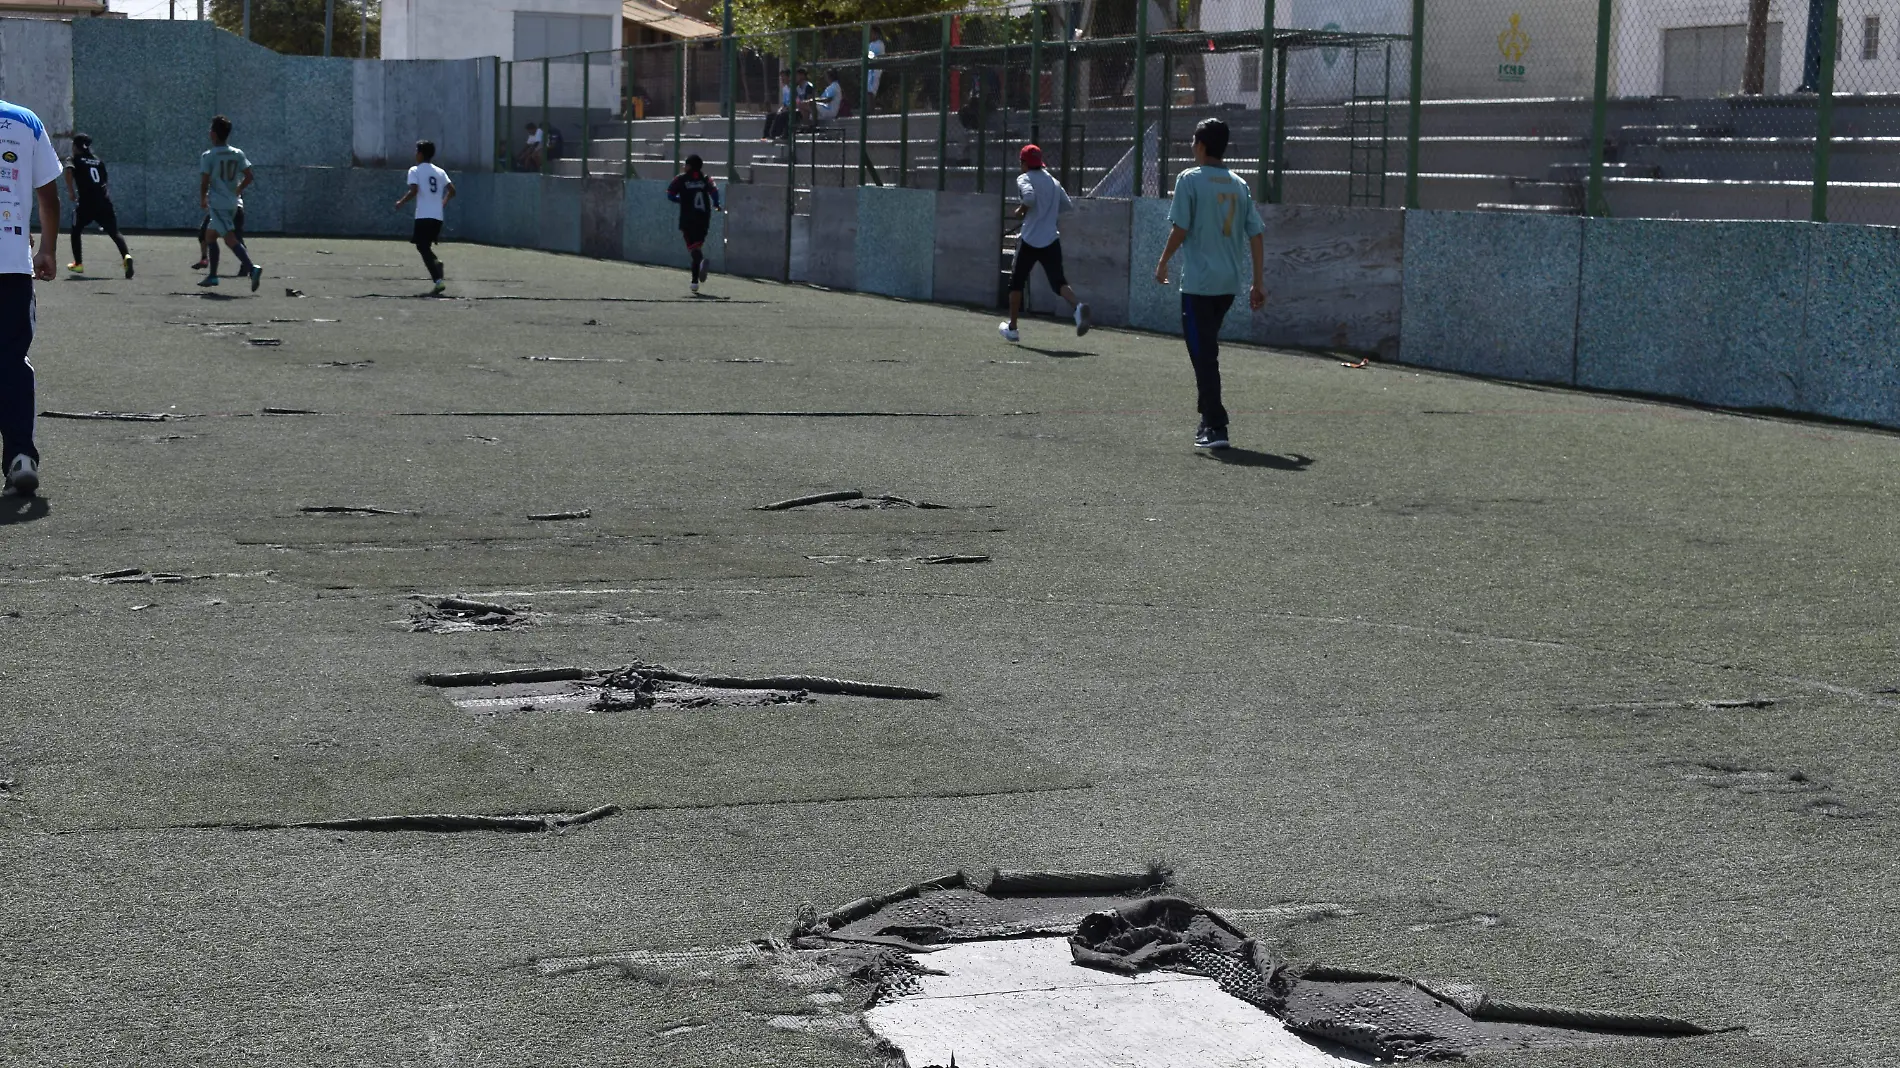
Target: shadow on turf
1251	458
1057	354
17	509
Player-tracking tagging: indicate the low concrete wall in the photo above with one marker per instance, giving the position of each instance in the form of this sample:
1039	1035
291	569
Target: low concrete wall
1798	317
756	231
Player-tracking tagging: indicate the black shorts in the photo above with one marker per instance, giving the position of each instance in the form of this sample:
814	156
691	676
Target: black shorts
428	231
100	211
1027	256
694	231
237	221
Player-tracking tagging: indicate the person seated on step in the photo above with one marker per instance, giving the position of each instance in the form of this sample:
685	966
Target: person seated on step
557	145
831	102
802	92
780	119
529	158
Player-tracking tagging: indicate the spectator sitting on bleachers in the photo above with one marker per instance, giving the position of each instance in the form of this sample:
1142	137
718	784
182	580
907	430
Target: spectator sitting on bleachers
557	144
831	101
780	120
529	159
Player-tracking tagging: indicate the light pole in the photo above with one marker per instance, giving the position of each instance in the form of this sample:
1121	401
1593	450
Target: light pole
725	93
329	25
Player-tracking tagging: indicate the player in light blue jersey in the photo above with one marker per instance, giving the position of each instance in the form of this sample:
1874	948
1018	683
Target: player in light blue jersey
1215	220
224	175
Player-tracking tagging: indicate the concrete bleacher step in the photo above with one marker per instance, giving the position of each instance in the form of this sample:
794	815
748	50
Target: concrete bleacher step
1530	209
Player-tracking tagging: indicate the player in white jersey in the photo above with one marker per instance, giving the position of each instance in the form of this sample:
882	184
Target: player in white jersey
29	176
430	188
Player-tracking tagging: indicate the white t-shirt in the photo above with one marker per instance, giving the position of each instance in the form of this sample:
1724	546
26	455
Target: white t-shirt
876	75
534	138
432	187
27	161
829	100
1046	201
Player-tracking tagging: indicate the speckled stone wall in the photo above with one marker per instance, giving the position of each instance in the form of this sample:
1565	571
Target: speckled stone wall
1850	366
1492	293
1707	311
896	240
559	227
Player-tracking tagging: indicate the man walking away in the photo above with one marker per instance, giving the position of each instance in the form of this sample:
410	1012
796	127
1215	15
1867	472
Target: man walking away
86	180
1215	218
698	197
31	164
430	188
224	174
1040	241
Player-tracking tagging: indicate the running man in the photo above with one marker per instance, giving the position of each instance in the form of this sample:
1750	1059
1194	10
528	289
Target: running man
28	163
86	186
430	188
224	174
1044	201
698	197
1215	218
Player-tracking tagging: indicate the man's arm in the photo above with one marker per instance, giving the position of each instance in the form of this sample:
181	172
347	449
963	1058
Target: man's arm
409	196
1175	238
673	190
71	192
43	260
1257	296
447	194
250	179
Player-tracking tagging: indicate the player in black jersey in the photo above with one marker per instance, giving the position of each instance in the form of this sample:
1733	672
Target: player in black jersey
698	197
86	180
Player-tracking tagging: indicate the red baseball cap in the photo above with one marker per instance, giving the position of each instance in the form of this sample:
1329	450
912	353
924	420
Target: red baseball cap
1032	156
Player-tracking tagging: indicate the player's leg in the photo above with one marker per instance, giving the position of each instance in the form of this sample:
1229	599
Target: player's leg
207	248
1201	318
109	222
695	238
81	219
234	238
428	231
1026	257
1059	281
18	457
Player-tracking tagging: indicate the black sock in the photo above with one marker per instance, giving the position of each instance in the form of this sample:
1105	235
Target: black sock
213	257
244	257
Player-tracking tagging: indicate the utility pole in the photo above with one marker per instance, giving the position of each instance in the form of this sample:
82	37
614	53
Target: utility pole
329	25
725	93
247	20
1755	58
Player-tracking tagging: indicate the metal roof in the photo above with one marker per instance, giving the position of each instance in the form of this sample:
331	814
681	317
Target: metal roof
661	18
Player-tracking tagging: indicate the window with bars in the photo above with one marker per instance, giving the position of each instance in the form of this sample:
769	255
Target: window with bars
1870	38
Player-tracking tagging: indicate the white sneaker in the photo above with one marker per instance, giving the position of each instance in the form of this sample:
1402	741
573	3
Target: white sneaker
695	287
1008	334
1083	319
23	475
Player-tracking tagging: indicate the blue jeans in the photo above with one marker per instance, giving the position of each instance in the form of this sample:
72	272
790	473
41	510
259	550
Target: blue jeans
16	373
1201	318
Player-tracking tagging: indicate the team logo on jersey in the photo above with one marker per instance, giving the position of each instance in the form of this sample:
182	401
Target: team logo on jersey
10	157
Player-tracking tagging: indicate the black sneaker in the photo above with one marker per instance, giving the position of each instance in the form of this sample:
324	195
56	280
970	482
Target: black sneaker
1211	437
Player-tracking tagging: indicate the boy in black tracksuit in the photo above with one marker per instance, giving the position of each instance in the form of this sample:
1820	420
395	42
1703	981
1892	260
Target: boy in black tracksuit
86	180
698	197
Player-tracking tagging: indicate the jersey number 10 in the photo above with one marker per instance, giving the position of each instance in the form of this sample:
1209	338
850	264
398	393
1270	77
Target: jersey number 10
228	170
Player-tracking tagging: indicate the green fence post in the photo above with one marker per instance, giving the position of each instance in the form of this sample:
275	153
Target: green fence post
943	102
1141	88
1417	109
546	114
1035	75
732	108
679	100
1824	110
1600	114
501	128
1266	69
507	136
626	79
903	129
864	99
1167	124
1279	127
587	127
791	149
1068	93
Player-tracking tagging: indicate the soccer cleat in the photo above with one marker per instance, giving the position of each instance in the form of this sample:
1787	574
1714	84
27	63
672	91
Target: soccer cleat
695	286
257	275
1211	437
76	268
1084	319
128	265
23	475
1009	333
439	288
201	265
208	282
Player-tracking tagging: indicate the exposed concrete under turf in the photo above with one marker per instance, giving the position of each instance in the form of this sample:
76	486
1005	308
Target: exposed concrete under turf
1586	699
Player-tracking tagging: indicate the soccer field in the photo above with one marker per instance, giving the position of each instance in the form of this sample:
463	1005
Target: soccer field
1585	699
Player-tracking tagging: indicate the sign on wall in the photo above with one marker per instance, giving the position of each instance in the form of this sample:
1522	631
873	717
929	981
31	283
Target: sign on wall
1513	44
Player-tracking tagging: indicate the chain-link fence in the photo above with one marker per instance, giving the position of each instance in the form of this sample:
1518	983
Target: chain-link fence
1668	108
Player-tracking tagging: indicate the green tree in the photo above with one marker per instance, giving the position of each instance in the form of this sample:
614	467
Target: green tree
772	16
295	27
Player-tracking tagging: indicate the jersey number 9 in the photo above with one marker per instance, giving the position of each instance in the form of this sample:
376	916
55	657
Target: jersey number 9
432	187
